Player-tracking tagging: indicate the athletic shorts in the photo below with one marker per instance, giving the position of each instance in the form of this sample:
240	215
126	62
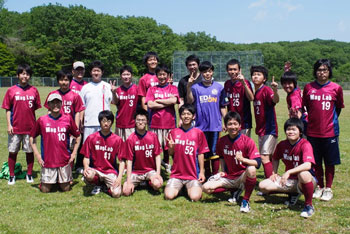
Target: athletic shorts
179	183
14	143
162	134
124	133
228	183
108	179
212	140
246	131
326	149
56	175
136	179
90	130
267	144
291	185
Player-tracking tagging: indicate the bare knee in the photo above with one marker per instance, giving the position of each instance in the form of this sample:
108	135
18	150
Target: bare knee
265	158
65	187
170	193
45	188
251	172
304	177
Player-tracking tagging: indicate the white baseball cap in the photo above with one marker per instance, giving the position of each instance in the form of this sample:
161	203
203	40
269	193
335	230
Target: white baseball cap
54	96
78	64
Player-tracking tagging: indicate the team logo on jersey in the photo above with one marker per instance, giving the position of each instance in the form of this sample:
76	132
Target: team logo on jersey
313	91
178	136
48	124
97	142
214	91
17	93
226	147
285	151
137	142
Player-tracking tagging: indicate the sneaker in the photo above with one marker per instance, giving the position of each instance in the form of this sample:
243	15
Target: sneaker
29	178
235	196
327	194
318	192
214	177
96	190
259	193
12	180
292	199
307	212
166	166
80	170
245	207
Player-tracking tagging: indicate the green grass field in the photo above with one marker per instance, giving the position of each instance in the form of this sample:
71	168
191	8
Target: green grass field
24	209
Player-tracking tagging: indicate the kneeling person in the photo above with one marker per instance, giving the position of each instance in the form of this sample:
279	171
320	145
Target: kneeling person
297	155
239	158
102	149
55	158
143	156
187	144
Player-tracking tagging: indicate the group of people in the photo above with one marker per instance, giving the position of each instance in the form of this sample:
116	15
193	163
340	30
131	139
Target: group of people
78	126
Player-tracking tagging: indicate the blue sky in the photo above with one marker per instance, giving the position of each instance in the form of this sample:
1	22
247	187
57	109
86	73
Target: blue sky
229	20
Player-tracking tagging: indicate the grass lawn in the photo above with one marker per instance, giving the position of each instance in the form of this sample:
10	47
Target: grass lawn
24	209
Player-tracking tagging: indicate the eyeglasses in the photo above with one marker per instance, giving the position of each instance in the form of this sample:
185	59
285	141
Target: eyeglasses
141	120
106	121
322	70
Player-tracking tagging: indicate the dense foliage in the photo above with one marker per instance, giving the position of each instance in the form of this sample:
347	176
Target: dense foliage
51	37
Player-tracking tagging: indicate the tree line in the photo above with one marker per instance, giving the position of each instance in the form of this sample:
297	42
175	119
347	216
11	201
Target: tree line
51	37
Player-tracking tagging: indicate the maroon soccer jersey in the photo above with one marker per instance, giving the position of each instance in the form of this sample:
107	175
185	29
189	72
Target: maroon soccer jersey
142	150
71	102
146	81
164	118
103	151
321	102
188	145
294	99
294	155
239	102
264	110
227	148
22	102
55	139
126	106
76	86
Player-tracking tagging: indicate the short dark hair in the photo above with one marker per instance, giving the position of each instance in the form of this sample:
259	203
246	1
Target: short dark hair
325	62
233	62
125	68
148	55
98	64
106	114
294	122
192	58
206	65
232	115
188	107
261	69
162	67
62	73
289	76
24	67
141	111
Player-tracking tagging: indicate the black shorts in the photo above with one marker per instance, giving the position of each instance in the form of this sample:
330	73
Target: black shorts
326	149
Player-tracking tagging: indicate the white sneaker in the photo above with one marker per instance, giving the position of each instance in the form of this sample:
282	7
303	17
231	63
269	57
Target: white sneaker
318	192
307	212
12	180
235	196
245	207
96	190
80	170
166	166
327	194
29	179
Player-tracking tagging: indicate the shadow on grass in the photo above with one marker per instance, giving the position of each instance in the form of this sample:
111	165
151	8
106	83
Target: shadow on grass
279	200
217	197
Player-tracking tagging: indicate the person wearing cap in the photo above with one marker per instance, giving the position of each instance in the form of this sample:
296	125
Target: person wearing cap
55	157
78	72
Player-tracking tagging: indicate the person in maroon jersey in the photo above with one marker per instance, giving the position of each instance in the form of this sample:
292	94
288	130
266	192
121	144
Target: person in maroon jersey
78	72
323	100
20	103
55	158
187	144
239	159
294	101
297	155
101	151
142	152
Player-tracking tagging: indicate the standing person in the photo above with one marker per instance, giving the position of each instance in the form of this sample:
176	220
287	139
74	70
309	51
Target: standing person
161	100
142	154
323	101
210	100
96	96
297	155
294	101
55	158
264	103
101	151
187	145
20	103
125	98
78	72
150	79
192	64
240	93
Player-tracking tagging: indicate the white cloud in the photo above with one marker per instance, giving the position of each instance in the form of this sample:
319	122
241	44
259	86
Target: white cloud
289	6
258	3
261	15
342	26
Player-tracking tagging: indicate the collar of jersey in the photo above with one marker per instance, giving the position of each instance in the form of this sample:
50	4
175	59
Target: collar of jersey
140	134
295	142
62	93
234	139
323	84
79	82
105	137
25	87
150	73
54	117
187	129
126	88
